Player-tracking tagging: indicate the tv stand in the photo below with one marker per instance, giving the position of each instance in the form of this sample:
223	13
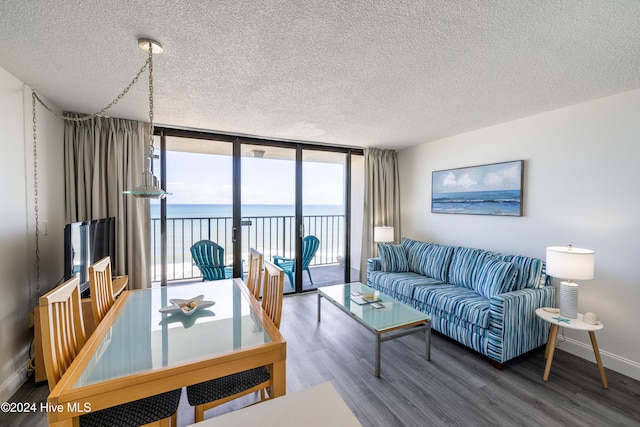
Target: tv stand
119	284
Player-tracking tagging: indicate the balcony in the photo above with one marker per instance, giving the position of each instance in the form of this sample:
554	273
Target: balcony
271	235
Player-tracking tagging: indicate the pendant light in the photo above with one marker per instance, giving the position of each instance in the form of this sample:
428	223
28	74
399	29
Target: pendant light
149	187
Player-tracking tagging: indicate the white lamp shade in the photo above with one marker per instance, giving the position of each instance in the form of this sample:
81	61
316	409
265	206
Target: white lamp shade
567	262
383	234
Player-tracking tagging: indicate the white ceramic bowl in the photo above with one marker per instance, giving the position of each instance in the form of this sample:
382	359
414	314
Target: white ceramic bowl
186	306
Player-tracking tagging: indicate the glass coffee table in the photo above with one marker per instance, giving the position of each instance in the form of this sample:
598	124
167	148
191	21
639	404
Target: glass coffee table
393	319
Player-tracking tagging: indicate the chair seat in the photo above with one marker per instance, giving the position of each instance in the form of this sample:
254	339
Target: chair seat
310	245
220	388
140	412
284	263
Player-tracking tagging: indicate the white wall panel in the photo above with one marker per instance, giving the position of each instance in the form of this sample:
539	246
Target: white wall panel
17	223
581	187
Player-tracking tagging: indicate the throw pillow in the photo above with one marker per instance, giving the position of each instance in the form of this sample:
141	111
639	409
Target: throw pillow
495	277
529	271
436	262
393	258
415	252
465	264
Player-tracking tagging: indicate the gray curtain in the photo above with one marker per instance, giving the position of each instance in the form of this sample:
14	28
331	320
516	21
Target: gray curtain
381	199
103	156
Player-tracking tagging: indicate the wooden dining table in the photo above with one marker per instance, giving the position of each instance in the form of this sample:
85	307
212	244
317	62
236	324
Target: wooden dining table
138	351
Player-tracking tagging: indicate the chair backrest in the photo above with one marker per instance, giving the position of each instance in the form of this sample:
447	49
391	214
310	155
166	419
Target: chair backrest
209	258
254	279
273	291
62	328
101	288
310	245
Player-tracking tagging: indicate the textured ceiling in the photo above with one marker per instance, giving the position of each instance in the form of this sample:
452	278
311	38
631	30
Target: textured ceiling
386	73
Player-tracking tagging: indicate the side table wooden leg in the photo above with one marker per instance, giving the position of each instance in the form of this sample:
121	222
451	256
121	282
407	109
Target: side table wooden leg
551	348
596	351
546	349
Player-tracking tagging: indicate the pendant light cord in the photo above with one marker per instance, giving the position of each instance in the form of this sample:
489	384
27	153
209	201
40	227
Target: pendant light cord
35	192
150	63
111	104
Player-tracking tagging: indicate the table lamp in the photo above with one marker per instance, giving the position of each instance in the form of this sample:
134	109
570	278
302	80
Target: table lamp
383	234
567	262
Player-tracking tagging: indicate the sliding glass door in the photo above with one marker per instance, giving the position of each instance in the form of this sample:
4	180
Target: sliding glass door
199	177
290	201
323	218
268	183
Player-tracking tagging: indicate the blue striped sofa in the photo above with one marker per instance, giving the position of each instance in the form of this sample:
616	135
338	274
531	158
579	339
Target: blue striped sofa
484	300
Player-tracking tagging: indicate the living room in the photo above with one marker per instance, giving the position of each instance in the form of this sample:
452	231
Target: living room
579	163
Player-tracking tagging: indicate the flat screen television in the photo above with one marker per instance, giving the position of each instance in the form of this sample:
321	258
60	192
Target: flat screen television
86	243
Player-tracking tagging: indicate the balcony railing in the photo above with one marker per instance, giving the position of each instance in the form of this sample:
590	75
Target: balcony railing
271	235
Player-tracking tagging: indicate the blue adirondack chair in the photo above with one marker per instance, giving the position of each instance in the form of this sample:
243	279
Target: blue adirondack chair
310	245
209	258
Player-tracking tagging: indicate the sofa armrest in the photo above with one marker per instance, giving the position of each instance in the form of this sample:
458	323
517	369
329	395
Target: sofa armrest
373	264
514	328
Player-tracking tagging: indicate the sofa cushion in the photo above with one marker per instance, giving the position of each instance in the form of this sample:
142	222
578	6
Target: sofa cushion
465	263
400	285
429	259
495	277
455	303
529	271
393	258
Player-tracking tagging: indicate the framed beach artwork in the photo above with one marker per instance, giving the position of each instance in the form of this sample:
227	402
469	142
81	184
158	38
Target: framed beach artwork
494	189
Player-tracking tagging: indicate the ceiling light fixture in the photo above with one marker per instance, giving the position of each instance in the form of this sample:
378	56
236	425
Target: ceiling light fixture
149	188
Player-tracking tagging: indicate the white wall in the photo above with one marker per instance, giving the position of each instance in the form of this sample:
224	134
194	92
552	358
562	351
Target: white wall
17	226
581	187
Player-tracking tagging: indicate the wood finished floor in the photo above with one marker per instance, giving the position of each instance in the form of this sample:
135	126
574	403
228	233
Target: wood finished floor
458	387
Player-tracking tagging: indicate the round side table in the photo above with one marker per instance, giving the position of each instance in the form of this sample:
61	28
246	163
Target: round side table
578	324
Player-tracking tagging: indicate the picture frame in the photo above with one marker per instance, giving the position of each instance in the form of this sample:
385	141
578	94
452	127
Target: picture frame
491	189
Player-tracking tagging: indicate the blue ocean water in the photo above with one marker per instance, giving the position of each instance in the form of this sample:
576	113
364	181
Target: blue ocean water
225	211
268	228
503	202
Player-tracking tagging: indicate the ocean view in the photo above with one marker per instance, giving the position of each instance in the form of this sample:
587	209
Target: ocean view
268	228
224	211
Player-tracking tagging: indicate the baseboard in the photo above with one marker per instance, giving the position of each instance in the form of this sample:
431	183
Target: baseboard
610	361
12	385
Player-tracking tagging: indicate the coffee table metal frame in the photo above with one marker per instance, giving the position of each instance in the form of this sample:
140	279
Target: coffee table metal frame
422	324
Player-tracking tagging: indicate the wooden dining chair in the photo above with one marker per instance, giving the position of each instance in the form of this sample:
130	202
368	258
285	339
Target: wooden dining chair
63	337
210	394
254	279
62	329
273	289
101	289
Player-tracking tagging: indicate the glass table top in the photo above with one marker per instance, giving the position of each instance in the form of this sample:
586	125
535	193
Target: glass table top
142	338
393	315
